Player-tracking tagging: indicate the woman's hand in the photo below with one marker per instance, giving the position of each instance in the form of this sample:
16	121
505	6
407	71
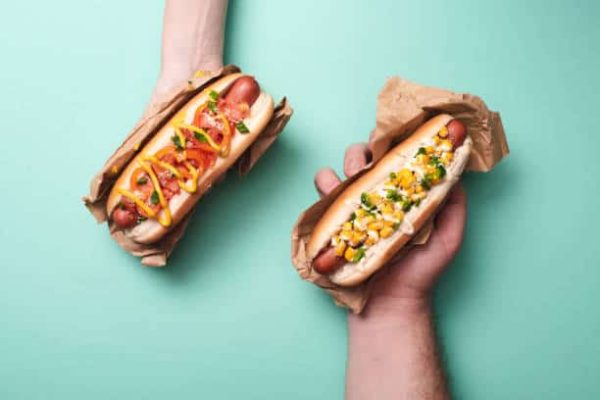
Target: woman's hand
192	40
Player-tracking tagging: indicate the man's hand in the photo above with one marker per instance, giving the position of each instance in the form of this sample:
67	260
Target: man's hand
392	351
412	277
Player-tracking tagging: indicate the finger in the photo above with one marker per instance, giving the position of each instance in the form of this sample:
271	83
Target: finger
357	156
325	181
450	222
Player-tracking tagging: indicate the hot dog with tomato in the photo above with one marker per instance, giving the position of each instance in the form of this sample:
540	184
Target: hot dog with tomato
375	216
159	187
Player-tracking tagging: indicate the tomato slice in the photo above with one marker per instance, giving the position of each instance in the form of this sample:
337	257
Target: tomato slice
198	115
234	111
202	146
195	157
140	181
201	159
167	154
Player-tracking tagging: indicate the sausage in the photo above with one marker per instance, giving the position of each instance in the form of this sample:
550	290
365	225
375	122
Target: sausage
244	90
327	261
124	218
456	132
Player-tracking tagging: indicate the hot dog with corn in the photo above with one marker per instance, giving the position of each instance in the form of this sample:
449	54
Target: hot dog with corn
180	163
374	217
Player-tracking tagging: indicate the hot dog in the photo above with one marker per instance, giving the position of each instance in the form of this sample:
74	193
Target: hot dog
183	159
374	217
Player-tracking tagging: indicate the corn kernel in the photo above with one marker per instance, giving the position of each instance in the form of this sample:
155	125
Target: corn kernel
406	178
375	226
346	234
447	157
370	241
357	238
422	159
340	248
407	184
389	224
387	208
386	232
404	173
368	219
436	140
410	191
429	150
399	215
349	254
375	199
347	226
443	132
361	212
420	189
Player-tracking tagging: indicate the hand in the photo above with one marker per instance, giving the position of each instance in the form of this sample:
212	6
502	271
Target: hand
192	40
410	279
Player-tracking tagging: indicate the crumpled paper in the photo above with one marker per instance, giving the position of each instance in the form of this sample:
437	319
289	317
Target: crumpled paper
155	117
402	106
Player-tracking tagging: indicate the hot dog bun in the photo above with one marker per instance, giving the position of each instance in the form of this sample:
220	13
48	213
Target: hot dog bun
150	230
340	210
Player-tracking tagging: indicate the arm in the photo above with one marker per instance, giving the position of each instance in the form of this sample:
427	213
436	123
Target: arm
192	40
392	350
393	355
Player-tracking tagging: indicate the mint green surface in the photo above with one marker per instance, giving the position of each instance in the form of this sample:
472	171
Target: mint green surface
229	318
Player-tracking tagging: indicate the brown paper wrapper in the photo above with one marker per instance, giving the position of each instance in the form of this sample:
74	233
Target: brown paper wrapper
401	107
154	118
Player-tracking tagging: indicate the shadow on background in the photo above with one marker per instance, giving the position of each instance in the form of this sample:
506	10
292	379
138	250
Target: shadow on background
485	192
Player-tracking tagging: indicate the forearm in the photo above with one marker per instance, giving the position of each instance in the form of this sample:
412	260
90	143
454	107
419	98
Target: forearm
192	40
393	355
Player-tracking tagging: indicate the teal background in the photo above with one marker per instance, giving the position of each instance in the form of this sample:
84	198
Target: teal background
79	318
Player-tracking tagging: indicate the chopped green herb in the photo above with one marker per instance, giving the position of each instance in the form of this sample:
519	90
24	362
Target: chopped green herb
214	96
364	199
406	205
141	218
434	160
212	106
426	181
417	202
421	151
396	226
352	216
177	142
241	127
441	170
200	137
154	198
121	206
393	195
142	180
393	175
360	253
